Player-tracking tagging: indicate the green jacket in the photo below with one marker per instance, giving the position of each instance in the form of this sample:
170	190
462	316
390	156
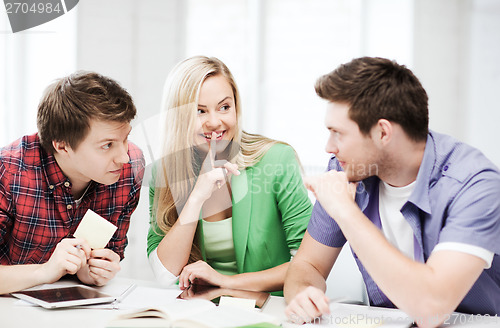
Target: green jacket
271	210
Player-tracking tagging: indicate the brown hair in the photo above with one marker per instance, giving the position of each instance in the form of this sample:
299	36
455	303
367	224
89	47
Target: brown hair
68	105
378	88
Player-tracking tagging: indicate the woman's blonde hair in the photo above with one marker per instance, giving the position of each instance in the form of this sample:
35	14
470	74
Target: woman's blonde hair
181	163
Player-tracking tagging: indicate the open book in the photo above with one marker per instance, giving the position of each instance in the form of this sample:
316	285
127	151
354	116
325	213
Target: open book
193	313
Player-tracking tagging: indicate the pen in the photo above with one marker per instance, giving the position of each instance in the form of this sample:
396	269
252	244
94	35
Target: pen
337	300
126	292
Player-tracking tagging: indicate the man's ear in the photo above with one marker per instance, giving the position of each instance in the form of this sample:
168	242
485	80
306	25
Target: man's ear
61	147
384	131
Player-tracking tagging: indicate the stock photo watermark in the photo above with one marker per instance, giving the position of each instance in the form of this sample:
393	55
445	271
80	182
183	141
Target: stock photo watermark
363	319
26	14
359	319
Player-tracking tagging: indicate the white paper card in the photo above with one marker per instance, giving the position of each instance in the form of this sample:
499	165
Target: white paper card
242	303
95	229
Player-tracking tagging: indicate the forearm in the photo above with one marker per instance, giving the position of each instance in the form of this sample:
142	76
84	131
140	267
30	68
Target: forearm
299	276
175	248
377	255
17	277
416	288
267	280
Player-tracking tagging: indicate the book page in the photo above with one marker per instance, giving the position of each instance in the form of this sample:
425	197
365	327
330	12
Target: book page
226	316
181	309
192	313
361	316
161	316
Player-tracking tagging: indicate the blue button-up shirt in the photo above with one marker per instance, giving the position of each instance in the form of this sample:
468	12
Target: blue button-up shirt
456	199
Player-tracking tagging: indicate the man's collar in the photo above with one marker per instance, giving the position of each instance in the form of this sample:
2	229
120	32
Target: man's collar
420	195
53	172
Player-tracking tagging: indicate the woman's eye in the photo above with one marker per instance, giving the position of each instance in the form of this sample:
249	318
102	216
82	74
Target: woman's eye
201	111
225	108
106	146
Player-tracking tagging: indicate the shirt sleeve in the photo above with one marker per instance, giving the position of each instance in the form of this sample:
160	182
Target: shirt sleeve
482	253
5	203
292	198
474	214
322	227
163	276
155	235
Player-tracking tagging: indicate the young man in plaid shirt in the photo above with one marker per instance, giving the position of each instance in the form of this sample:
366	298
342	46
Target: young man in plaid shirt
80	159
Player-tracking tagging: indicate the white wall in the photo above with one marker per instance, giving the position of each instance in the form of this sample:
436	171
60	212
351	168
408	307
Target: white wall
441	54
483	81
457	46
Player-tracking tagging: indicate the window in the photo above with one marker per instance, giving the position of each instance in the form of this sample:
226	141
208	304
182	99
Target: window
29	61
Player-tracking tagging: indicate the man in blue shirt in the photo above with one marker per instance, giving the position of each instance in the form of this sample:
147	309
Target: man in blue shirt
421	210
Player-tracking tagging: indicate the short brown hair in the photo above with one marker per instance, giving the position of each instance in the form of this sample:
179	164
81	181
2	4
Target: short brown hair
377	88
68	105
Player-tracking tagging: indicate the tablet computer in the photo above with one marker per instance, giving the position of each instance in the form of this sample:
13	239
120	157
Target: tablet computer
53	298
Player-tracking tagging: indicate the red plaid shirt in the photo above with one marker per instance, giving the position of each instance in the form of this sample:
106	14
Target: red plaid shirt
37	208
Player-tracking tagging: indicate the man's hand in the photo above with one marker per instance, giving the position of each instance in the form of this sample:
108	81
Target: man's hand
310	303
333	191
69	256
102	266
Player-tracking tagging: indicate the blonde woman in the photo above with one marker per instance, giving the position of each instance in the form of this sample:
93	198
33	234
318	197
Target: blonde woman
227	207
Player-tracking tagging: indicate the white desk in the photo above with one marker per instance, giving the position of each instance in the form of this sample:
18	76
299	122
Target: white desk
12	314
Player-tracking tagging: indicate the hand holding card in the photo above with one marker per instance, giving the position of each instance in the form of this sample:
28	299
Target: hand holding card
95	229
